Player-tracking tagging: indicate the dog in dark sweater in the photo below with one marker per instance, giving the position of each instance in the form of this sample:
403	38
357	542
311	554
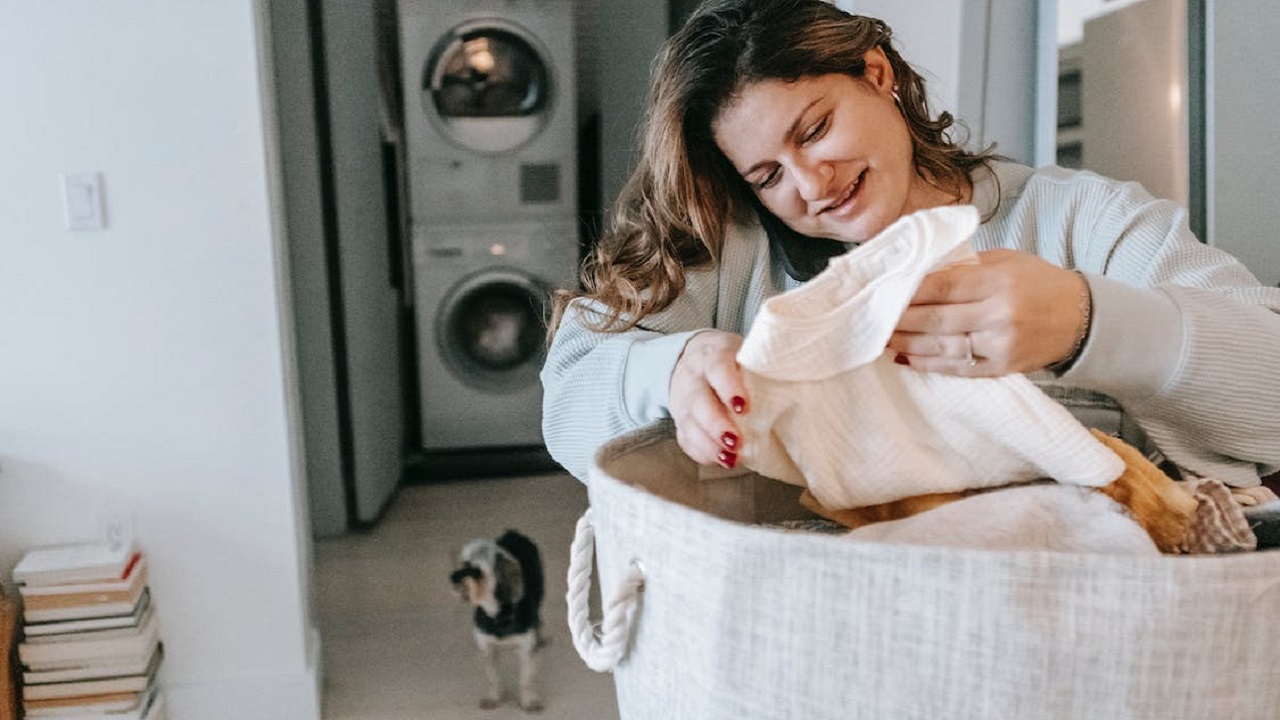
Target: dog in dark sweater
502	579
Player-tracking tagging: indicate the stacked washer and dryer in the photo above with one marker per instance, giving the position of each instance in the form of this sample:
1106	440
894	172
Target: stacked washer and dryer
490	125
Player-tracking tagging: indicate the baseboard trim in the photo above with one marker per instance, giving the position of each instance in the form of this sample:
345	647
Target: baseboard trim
485	462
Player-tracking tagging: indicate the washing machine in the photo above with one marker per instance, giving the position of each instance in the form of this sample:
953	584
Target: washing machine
491	146
481	327
489	103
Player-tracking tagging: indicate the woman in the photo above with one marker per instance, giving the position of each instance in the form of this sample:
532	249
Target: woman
776	127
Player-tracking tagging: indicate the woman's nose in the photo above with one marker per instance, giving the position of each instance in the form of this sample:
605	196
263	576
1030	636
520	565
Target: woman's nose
813	179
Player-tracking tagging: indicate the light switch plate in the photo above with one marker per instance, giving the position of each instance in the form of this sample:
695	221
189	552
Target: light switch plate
82	201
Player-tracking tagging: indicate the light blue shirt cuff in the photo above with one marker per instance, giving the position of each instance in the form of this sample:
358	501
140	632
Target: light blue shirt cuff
1136	342
646	382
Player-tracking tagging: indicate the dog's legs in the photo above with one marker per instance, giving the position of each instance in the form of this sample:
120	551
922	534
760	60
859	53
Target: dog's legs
527	649
489	659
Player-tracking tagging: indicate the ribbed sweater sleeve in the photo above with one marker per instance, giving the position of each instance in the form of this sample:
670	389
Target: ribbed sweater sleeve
597	385
1185	339
586	381
1222	405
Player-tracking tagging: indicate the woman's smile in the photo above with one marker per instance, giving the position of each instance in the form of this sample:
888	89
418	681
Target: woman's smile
845	204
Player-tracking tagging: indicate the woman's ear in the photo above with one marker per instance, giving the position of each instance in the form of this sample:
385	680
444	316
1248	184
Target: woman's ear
879	71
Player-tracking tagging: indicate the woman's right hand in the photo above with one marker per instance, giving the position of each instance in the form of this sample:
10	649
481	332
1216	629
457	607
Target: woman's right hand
706	392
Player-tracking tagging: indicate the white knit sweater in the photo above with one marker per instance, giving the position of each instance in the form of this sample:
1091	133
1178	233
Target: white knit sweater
1183	343
831	410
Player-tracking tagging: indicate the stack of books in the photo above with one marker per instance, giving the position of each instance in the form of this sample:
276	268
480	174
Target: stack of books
91	644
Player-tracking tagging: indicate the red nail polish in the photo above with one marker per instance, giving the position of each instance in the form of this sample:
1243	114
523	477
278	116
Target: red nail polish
729	440
739	404
901	359
727	458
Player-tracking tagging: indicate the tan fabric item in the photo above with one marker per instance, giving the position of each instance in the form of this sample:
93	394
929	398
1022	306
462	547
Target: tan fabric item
1254	496
1220	524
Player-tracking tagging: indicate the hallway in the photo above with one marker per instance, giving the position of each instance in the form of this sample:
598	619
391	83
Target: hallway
397	643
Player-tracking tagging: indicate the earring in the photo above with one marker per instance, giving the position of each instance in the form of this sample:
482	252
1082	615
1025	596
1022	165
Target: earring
894	93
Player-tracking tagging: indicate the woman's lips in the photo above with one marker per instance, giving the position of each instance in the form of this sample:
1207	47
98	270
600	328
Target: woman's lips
845	201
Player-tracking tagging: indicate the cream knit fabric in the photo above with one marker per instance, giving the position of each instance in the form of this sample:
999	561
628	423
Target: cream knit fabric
830	409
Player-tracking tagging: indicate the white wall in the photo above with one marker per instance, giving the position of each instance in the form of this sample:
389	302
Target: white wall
977	58
142	368
925	32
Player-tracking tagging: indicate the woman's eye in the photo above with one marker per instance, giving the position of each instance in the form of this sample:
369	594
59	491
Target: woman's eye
769	180
815	132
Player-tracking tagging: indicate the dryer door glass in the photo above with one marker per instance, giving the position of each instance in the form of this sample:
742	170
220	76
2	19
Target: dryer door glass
492	328
488	85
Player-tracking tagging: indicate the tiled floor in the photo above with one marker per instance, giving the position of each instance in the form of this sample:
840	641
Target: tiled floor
396	641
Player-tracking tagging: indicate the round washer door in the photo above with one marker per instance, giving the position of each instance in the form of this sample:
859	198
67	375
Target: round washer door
487	85
491	329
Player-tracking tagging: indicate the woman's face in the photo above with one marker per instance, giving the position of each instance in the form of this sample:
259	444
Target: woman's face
829	155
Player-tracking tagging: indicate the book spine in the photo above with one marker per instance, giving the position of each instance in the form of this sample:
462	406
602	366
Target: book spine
93	573
104	702
77	612
84	635
81	664
79	600
135	575
129	683
88	672
135	618
85	687
45	654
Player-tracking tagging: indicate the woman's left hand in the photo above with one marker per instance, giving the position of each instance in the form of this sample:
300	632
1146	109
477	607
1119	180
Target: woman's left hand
1010	312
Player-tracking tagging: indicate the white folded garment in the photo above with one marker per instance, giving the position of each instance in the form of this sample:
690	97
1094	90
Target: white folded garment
830	409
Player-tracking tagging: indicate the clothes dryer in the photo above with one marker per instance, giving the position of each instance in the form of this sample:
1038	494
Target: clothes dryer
490	114
483	299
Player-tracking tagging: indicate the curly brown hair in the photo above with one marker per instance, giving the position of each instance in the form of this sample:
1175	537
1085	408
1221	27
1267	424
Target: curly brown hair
672	213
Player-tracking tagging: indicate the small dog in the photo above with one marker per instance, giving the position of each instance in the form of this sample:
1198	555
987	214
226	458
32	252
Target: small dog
503	581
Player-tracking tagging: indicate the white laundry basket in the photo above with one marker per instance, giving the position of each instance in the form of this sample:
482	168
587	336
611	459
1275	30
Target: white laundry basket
709	614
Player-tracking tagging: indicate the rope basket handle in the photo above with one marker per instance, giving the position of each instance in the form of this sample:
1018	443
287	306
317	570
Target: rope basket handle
600	648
